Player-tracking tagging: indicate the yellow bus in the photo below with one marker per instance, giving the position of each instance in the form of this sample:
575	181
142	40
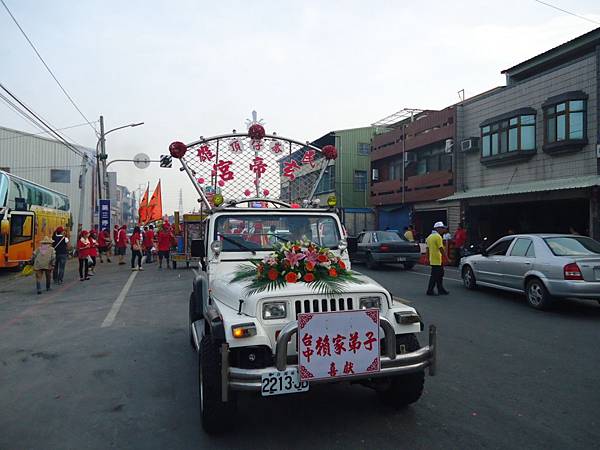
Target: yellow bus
28	212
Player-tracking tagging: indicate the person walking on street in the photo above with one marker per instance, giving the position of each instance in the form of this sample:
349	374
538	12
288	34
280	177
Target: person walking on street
460	239
435	250
93	252
83	252
44	259
136	249
59	243
104	244
122	244
165	240
148	243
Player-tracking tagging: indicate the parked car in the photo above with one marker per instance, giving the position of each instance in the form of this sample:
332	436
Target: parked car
542	266
378	247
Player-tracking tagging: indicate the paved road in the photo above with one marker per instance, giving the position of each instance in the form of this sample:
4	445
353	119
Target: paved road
509	376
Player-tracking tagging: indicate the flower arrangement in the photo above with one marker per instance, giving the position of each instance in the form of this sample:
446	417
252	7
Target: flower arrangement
297	262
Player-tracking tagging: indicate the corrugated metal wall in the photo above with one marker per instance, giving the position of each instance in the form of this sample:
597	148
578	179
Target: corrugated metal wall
350	160
32	157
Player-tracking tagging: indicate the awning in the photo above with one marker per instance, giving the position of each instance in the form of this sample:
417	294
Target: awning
526	188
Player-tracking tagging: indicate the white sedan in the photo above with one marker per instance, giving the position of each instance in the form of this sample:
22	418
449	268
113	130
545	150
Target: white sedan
542	266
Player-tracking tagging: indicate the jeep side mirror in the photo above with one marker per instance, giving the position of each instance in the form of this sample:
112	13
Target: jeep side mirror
197	248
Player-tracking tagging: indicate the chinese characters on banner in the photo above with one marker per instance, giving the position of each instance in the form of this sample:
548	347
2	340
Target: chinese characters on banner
104	214
338	344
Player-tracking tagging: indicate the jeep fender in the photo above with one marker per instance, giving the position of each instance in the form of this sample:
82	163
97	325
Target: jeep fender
200	289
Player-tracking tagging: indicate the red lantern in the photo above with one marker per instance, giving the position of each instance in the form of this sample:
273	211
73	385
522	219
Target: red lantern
256	132
177	149
330	152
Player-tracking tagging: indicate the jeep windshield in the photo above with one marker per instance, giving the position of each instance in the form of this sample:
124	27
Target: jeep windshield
261	232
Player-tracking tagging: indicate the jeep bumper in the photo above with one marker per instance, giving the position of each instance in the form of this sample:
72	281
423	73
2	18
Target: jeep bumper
238	379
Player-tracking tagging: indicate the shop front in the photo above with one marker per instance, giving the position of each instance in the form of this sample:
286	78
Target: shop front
550	206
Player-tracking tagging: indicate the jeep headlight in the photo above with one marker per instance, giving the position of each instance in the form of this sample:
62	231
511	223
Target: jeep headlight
369	302
274	310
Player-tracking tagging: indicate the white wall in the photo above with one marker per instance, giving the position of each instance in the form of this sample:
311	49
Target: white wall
32	157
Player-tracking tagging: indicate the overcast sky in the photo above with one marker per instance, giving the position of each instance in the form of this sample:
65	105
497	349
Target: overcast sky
192	68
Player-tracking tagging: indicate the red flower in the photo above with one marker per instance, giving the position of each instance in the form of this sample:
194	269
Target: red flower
342	264
322	258
260	268
296	248
333	273
310	266
272	274
308	277
291	277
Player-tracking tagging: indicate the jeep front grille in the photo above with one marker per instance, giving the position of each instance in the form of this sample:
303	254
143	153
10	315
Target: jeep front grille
324	305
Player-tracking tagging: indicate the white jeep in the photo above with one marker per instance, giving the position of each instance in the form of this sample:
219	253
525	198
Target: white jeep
260	332
246	342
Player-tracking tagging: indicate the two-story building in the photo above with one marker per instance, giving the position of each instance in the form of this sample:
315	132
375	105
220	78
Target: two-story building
412	167
527	158
347	177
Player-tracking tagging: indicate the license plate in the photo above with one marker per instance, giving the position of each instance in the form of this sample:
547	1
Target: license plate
285	382
400	259
597	273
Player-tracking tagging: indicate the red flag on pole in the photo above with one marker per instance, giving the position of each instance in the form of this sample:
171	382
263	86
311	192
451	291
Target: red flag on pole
143	210
155	205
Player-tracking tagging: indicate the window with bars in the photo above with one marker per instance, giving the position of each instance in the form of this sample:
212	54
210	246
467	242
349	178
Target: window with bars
364	148
360	180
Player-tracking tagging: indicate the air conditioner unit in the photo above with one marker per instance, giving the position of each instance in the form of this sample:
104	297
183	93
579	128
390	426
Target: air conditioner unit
449	145
470	144
375	174
410	157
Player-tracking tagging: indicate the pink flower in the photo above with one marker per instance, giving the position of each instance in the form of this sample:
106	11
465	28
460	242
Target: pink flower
293	258
311	256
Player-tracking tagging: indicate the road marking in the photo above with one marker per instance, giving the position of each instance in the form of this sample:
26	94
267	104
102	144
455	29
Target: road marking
426	275
112	314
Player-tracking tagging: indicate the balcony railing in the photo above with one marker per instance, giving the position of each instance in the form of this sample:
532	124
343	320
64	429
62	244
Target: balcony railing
427	187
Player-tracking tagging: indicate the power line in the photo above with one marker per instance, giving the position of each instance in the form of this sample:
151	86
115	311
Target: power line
48	68
563	10
45	125
44	132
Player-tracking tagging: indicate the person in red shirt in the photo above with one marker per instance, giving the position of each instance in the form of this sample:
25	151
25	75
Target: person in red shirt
104	244
83	251
93	251
165	241
460	239
149	243
122	244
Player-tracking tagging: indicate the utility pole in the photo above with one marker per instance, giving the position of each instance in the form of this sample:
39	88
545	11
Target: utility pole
181	201
104	186
82	175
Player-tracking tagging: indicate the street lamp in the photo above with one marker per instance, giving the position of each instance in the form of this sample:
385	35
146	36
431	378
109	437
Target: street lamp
101	155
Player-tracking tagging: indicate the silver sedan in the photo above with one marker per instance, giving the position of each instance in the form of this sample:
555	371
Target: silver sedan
542	266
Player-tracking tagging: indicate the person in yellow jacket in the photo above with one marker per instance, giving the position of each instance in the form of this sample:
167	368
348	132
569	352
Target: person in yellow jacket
435	250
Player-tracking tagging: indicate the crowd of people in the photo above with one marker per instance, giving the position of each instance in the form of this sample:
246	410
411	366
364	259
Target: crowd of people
50	258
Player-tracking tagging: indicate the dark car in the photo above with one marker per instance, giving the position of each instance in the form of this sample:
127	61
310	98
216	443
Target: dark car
379	247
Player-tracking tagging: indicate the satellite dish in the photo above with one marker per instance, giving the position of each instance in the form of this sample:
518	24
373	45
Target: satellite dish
141	161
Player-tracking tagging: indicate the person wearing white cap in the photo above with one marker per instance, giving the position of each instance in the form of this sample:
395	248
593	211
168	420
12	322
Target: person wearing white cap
435	250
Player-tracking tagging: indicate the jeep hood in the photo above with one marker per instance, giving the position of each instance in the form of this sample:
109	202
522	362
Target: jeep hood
223	290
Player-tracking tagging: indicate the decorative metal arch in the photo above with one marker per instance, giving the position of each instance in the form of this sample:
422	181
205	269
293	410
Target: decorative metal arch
205	157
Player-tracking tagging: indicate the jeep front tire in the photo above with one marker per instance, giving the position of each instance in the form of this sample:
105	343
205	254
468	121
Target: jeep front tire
215	414
402	390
